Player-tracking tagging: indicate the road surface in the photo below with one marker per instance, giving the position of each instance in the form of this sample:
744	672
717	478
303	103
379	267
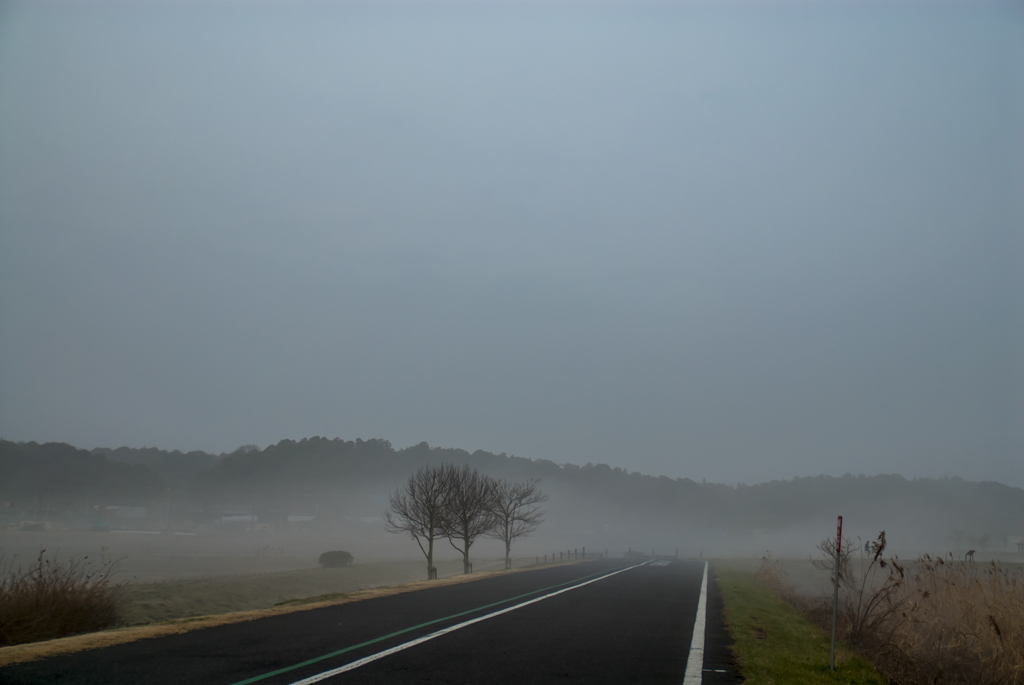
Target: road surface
608	621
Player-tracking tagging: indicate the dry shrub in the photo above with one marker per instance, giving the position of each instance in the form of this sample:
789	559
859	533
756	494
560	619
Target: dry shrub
335	559
772	575
963	624
52	598
930	622
872	592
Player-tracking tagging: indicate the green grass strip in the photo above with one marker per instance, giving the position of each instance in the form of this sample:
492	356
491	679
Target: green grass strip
410	629
775	643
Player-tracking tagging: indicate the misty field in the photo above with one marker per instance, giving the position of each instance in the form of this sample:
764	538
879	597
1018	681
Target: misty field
150	557
165	600
140	579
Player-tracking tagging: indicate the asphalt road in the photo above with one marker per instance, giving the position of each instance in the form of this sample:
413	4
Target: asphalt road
598	622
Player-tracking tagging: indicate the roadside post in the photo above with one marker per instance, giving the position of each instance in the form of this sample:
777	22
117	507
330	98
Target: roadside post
835	596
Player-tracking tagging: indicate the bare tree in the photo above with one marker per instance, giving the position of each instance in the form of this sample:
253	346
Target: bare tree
468	514
515	512
419	509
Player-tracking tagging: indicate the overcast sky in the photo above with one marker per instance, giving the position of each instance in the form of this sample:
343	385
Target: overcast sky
734	242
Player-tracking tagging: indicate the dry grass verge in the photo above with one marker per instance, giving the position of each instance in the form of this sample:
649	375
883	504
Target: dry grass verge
775	642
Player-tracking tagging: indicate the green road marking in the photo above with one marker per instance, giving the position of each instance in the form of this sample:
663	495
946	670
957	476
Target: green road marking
406	630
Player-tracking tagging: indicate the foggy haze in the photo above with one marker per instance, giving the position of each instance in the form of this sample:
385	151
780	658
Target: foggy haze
733	242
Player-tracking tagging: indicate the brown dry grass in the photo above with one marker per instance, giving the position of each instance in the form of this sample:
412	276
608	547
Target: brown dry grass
772	575
42	650
51	598
933	621
964	623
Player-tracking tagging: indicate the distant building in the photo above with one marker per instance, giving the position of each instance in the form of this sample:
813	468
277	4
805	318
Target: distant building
123	512
237	520
35	526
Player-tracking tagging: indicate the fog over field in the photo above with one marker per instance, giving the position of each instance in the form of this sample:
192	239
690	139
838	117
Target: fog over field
713	272
171	515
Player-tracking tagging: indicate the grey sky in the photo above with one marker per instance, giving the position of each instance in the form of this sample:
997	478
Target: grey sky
733	242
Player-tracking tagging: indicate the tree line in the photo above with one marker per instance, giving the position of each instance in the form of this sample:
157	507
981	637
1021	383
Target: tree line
327	475
460	504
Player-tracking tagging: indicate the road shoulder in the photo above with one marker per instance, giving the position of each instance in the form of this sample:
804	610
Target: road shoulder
775	643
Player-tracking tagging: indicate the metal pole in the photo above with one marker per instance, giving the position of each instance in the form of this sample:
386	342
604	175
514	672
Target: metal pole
835	596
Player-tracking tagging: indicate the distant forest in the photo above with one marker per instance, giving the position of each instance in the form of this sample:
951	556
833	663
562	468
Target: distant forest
333	478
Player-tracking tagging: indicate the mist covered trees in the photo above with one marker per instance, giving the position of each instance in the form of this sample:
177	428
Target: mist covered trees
468	514
419	508
461	504
515	510
42	478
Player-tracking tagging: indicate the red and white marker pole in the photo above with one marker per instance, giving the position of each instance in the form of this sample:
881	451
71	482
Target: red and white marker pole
835	597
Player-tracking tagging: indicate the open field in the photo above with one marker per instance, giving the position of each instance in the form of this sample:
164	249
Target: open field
164	600
153	556
165	556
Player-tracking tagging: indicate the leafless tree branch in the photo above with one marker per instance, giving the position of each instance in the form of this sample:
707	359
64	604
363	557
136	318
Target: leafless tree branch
468	514
515	512
419	509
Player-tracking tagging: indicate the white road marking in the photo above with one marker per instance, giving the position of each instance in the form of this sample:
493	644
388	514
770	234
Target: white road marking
695	662
412	643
